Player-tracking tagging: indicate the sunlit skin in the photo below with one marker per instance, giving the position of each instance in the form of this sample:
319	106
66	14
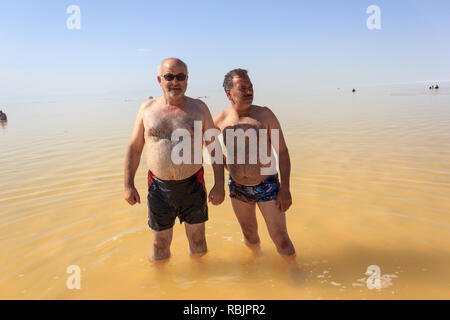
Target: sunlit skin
243	114
155	122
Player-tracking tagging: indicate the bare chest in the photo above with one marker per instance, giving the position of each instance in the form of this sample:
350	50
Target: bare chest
246	124
162	125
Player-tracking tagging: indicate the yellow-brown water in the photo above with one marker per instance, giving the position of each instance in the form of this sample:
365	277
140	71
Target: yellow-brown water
370	184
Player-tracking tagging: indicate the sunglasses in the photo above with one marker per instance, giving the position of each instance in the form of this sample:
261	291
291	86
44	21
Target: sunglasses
170	77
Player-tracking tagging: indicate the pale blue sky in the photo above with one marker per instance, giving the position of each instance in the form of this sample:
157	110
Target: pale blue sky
285	45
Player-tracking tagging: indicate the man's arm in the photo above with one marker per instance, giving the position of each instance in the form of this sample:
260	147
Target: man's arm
284	199
217	193
218	124
132	159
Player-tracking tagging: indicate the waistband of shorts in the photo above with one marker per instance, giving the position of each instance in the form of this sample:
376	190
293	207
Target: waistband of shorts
196	176
254	185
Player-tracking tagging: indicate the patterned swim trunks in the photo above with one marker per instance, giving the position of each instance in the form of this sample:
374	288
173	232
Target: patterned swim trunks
265	191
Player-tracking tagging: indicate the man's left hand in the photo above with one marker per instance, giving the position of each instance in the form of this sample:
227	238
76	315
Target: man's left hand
284	199
216	195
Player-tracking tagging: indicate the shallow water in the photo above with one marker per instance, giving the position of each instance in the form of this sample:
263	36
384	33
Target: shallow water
370	183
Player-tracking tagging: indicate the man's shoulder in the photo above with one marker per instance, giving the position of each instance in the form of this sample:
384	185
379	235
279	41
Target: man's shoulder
197	103
148	105
266	116
221	116
263	111
261	108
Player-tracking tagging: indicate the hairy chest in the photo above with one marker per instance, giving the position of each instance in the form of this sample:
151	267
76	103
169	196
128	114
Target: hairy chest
162	125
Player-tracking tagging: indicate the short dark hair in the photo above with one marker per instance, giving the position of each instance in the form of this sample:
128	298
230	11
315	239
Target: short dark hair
228	80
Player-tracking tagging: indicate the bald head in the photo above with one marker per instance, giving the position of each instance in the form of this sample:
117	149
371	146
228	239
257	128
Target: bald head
171	62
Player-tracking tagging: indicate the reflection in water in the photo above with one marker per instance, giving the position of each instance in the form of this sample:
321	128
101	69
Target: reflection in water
4	124
370	181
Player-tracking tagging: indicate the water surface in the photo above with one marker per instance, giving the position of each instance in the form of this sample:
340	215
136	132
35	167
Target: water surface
370	183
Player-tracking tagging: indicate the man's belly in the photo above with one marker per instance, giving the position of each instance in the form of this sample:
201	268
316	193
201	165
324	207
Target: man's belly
160	162
247	170
246	174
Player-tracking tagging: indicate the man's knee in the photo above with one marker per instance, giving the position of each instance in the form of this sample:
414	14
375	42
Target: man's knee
161	248
249	229
198	239
197	242
250	232
282	240
161	243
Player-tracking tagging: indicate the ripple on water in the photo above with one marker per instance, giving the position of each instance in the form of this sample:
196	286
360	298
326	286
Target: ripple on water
380	168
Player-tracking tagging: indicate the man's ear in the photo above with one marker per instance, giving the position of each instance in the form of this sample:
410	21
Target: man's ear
159	79
228	93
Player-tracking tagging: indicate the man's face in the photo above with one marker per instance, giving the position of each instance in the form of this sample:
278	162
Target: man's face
242	92
174	88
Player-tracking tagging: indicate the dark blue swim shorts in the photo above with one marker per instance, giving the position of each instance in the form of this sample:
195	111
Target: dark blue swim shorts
265	191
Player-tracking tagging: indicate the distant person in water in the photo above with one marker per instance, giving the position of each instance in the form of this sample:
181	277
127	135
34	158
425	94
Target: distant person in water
436	87
3	116
354	90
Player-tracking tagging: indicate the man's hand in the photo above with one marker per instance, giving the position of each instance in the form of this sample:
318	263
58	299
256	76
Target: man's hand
216	195
131	195
284	199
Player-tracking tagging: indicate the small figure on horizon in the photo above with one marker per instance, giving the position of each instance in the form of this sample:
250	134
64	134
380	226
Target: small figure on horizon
354	90
150	98
3	116
436	87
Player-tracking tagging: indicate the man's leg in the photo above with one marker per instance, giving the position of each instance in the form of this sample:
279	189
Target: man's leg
161	244
246	215
276	224
196	237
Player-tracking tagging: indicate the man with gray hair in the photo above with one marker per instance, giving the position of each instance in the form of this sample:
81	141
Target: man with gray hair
249	181
174	189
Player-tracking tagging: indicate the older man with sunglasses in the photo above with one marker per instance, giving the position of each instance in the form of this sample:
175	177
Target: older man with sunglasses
174	189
